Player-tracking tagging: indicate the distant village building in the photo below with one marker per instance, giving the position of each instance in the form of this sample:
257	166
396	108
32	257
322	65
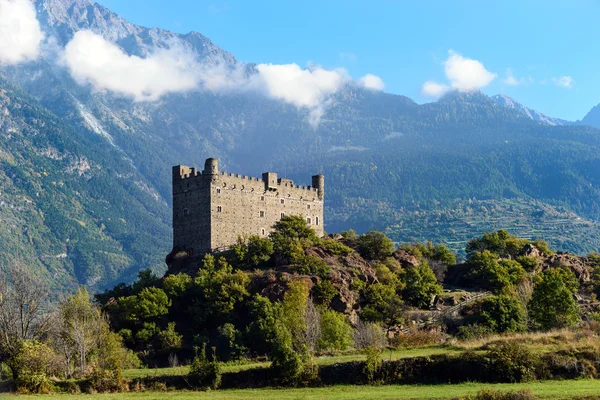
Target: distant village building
211	208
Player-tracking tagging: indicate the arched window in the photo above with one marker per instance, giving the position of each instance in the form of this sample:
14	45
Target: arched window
316	220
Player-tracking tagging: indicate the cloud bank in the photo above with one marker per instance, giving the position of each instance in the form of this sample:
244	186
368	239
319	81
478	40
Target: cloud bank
464	74
20	32
93	60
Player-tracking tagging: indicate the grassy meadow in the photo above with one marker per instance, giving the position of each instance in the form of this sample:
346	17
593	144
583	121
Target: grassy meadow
543	389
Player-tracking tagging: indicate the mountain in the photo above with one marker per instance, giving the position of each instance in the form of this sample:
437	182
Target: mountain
85	173
533	114
592	118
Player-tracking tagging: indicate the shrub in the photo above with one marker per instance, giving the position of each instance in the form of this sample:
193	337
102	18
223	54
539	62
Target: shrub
373	364
552	304
489	273
512	362
31	365
368	335
252	251
336	332
205	373
313	265
375	245
420	285
473	331
499	314
336	247
323	292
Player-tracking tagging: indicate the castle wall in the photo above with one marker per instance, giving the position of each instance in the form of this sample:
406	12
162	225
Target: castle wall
191	211
211	209
247	208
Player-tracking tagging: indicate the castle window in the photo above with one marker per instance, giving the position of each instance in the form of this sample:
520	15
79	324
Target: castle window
263	232
308	220
316	220
219	209
282	215
186	211
282	201
262	198
308	206
218	190
262	214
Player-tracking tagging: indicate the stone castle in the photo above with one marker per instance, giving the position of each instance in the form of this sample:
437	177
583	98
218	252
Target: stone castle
211	208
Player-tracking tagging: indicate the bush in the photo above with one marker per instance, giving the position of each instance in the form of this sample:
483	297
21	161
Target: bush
499	314
373	364
336	332
513	362
336	247
205	373
31	365
252	251
419	338
313	265
323	292
486	271
552	304
473	331
375	245
420	286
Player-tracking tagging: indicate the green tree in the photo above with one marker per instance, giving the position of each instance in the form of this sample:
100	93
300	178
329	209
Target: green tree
32	364
291	235
382	304
420	285
336	332
252	251
217	290
80	324
375	245
149	304
487	271
499	314
552	304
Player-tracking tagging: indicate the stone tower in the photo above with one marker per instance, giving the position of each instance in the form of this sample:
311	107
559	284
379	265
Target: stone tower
212	208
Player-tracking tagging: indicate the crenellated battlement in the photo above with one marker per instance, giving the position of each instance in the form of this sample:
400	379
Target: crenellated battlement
211	208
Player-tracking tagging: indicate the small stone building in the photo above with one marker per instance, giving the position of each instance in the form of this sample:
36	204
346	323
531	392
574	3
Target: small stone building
212	208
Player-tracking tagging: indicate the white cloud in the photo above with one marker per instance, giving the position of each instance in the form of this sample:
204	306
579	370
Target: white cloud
20	32
433	89
370	81
96	61
92	59
564	81
511	80
466	74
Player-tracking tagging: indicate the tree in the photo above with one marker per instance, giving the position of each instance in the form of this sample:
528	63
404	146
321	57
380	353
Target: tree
22	317
486	271
499	314
149	304
336	332
552	304
375	245
80	324
382	305
420	285
252	251
291	235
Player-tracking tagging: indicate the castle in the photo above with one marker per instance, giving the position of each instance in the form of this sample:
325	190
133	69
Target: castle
211	208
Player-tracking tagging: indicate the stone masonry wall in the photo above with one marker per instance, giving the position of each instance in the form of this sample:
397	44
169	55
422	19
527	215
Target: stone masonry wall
211	209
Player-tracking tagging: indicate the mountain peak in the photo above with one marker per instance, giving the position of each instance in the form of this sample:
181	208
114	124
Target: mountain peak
513	104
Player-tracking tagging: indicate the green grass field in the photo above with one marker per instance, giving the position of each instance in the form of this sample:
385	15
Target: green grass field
545	389
396	354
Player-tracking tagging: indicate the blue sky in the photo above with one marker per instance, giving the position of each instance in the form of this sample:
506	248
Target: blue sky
549	46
